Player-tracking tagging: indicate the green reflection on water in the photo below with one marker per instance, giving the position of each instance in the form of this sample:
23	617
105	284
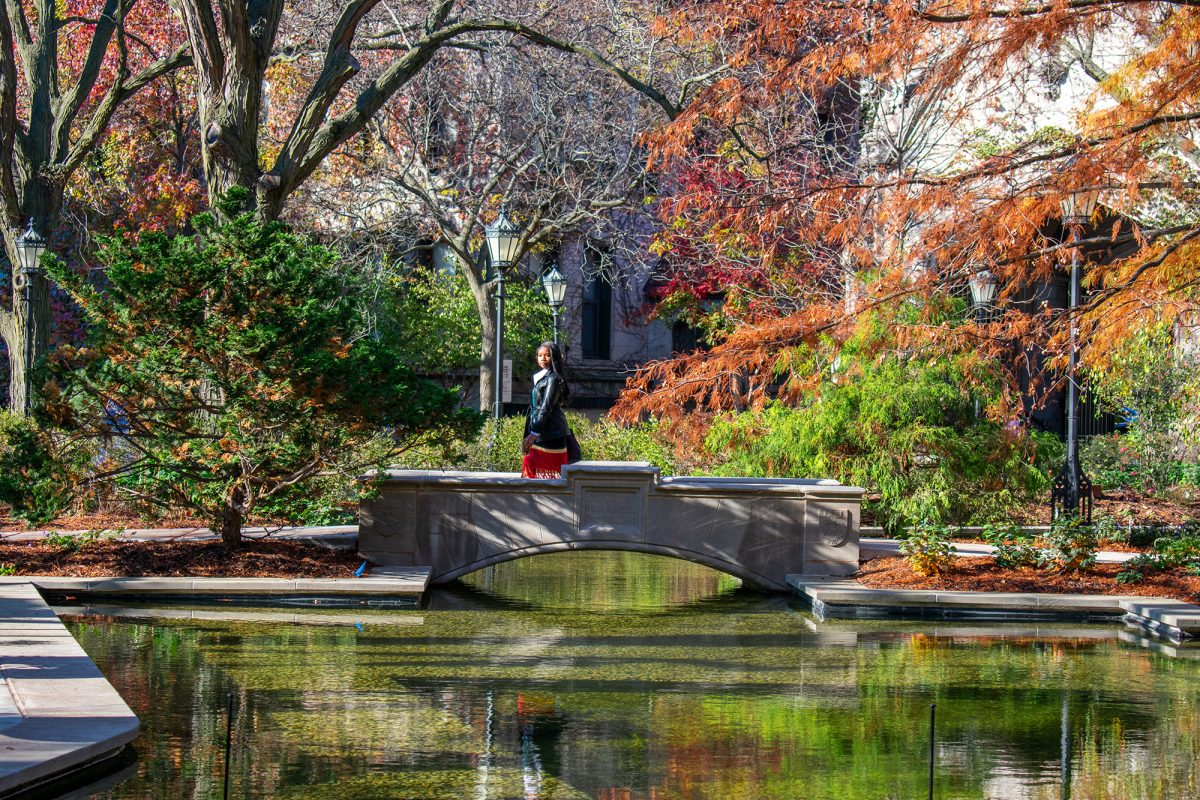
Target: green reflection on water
614	676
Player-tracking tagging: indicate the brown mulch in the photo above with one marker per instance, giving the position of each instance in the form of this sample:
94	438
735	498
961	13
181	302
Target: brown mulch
1142	509
982	575
255	559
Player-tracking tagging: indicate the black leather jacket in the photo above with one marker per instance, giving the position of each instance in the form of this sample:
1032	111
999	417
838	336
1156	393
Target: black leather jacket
546	417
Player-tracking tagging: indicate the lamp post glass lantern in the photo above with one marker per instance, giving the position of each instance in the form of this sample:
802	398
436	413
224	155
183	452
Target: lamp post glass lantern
983	293
29	245
503	238
1072	492
556	292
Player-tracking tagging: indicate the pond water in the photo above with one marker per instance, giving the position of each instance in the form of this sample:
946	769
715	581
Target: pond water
617	676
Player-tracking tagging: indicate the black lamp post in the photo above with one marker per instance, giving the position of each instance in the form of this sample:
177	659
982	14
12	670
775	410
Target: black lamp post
983	294
1072	493
502	238
30	246
556	292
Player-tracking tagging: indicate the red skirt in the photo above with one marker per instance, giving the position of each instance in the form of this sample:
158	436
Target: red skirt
541	462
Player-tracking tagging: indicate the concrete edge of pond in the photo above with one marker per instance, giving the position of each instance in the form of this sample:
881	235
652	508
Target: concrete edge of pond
384	582
847	598
58	714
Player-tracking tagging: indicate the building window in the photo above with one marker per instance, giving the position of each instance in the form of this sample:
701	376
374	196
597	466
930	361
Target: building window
684	337
596	337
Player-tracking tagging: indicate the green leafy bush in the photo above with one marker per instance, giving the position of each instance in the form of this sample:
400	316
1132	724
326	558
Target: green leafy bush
907	432
36	479
927	549
1013	548
74	542
1138	461
600	441
1148	535
435	315
1070	545
1178	552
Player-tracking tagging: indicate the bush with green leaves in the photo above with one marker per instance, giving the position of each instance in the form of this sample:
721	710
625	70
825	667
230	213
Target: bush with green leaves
1142	461
927	549
1070	545
235	368
435	315
1012	547
38	470
600	441
1170	553
904	429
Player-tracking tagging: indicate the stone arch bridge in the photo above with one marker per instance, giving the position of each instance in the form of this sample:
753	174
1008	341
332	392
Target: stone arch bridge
757	529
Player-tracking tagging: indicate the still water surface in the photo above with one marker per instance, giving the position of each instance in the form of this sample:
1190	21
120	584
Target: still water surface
623	677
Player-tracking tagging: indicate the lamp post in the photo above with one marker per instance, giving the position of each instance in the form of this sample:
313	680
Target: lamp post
29	245
983	294
556	292
1072	492
502	238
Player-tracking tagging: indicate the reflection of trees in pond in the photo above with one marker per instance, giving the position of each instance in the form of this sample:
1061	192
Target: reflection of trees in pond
601	580
675	704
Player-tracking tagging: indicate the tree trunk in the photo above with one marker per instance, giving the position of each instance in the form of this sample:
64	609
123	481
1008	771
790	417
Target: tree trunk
231	520
487	354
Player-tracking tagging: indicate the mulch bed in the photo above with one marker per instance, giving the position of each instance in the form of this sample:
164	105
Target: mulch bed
255	559
982	575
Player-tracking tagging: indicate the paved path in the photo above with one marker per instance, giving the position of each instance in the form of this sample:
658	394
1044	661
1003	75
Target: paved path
57	712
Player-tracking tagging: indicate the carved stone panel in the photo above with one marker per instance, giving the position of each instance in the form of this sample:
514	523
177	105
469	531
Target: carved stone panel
608	510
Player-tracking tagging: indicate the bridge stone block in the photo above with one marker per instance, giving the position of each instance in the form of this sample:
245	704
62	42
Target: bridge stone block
757	529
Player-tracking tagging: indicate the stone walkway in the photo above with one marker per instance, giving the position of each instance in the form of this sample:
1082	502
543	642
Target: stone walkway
57	712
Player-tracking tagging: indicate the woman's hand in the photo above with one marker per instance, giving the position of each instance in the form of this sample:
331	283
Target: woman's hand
527	442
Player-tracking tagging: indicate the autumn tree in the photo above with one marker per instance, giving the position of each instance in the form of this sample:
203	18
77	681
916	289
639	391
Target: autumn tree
826	227
347	62
65	70
520	122
234	368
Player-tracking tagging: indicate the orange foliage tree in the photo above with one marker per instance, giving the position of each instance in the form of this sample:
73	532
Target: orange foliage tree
861	157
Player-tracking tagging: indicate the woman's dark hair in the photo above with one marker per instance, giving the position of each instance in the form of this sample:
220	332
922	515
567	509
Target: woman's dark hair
558	366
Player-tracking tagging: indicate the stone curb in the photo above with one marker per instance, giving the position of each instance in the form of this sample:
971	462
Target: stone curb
408	581
841	597
57	712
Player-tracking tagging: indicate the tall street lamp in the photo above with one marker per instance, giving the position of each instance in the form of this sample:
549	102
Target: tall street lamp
502	239
30	245
556	292
1072	493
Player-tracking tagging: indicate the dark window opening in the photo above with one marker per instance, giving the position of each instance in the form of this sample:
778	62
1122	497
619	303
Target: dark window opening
684	338
596	338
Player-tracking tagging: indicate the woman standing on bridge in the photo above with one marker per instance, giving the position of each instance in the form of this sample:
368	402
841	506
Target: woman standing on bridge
548	437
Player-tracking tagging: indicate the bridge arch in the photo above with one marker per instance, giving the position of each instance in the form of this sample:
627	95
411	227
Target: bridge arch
749	578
